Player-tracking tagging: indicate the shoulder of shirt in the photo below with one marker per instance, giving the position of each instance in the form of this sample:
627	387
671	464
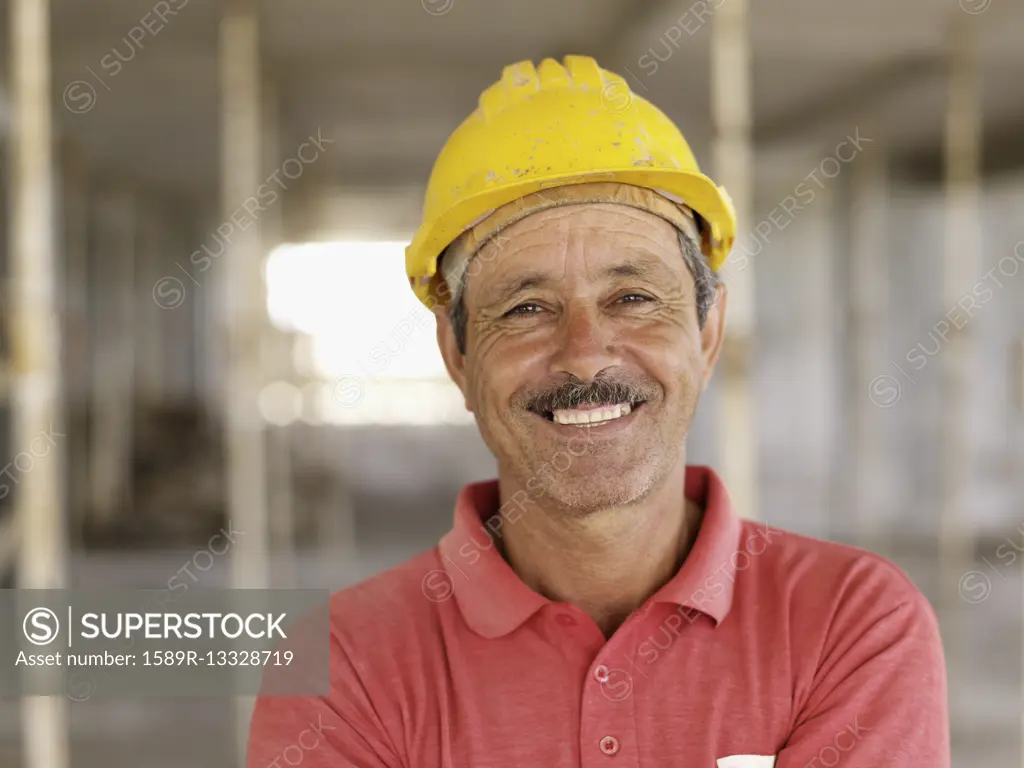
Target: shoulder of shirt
825	571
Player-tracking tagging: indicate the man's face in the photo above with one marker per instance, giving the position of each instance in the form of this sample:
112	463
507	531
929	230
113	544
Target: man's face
584	357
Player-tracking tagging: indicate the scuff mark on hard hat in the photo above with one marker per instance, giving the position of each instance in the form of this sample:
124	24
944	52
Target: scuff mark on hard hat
491	176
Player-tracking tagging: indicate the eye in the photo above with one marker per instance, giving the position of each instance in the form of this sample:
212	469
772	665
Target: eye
526	308
633	298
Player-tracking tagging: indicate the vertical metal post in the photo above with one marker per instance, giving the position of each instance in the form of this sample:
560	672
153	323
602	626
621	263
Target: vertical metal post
151	320
279	439
242	164
960	271
731	104
116	216
336	518
867	305
1017	466
1017	470
76	331
1017	391
38	413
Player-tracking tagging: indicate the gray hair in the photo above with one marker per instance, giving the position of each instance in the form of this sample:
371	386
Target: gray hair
705	281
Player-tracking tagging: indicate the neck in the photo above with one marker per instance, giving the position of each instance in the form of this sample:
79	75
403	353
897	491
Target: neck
608	562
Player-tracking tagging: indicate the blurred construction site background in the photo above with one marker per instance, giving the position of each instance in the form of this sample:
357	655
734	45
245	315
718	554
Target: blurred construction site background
206	321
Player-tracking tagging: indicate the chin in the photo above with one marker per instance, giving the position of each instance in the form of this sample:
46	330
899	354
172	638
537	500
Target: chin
584	492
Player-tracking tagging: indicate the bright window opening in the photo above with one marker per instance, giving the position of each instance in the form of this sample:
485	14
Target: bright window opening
370	340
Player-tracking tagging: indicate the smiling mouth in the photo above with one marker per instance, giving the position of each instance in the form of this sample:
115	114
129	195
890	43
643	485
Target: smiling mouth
592	415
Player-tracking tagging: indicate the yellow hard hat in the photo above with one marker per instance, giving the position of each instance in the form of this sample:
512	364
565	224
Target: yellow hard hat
550	126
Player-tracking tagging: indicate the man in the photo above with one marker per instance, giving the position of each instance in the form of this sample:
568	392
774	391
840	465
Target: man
601	603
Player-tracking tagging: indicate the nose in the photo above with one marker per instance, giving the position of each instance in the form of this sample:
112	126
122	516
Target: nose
585	344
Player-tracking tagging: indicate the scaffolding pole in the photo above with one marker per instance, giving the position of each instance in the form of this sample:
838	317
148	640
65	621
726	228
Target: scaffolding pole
150	324
961	267
77	332
279	446
731	105
1017	468
242	164
116	213
867	302
35	337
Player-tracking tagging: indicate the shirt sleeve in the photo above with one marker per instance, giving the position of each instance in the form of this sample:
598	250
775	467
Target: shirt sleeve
879	694
339	730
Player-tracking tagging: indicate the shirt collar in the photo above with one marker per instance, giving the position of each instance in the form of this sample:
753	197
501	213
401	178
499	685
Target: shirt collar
707	577
494	601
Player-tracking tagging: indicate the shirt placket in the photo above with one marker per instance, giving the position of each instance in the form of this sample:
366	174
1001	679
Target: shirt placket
608	712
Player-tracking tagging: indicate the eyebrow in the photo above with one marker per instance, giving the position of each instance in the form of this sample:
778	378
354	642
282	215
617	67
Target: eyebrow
639	267
506	289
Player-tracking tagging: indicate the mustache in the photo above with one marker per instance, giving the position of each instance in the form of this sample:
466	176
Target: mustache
601	390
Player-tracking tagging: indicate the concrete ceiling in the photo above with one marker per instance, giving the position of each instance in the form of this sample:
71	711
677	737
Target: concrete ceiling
390	79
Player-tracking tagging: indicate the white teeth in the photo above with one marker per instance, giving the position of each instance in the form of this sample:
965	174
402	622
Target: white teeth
596	416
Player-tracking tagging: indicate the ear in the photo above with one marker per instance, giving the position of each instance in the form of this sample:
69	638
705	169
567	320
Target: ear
454	361
713	332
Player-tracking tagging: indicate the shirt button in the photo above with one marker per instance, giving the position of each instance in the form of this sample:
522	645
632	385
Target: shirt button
565	620
601	673
609	745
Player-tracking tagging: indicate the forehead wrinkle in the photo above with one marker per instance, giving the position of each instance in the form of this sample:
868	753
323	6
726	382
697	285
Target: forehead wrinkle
583	232
505	274
644	246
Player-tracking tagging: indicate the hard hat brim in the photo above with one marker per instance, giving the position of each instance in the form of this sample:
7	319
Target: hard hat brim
695	189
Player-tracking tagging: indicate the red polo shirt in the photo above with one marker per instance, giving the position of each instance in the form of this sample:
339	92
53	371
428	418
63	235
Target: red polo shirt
765	644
